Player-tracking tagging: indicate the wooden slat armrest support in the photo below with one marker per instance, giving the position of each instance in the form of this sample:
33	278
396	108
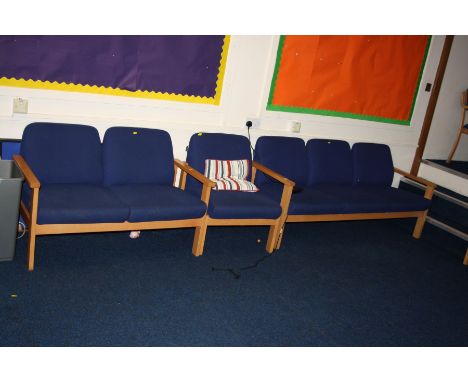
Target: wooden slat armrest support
196	174
273	174
429	185
29	176
415	178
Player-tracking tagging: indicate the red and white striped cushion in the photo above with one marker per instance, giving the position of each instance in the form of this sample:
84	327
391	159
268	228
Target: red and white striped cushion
229	175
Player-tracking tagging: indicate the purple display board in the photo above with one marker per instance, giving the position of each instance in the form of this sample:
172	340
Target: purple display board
186	65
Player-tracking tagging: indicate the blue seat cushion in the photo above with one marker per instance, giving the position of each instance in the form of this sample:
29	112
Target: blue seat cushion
285	155
309	201
150	202
78	203
329	162
136	155
367	199
373	164
242	205
345	199
396	200
63	153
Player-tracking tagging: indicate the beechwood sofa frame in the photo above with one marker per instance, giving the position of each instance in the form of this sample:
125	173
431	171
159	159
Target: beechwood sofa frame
276	225
35	229
200	224
420	215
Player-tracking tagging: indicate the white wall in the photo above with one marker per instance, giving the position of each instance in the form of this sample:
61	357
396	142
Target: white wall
446	120
250	65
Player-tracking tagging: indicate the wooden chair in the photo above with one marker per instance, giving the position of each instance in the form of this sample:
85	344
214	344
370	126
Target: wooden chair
228	208
463	128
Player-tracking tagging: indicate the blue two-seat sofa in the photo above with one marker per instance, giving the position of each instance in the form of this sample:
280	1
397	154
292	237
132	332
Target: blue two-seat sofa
336	182
74	183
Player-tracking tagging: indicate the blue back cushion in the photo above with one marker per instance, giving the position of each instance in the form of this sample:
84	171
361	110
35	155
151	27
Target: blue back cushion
215	146
285	155
373	164
330	162
137	156
8	149
63	153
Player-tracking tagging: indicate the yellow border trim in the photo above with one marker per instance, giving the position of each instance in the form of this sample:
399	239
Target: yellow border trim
23	83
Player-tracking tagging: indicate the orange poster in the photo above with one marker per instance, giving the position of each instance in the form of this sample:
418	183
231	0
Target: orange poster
365	77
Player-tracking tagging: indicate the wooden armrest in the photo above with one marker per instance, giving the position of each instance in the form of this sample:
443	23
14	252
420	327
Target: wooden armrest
196	174
415	178
429	185
273	174
29	176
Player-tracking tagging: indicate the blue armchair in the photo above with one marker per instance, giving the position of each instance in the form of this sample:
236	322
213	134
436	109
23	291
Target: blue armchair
227	208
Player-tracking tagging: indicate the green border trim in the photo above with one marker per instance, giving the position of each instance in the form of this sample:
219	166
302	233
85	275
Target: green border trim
330	113
279	55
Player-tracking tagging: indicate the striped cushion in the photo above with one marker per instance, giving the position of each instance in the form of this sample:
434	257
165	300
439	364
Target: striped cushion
234	184
229	175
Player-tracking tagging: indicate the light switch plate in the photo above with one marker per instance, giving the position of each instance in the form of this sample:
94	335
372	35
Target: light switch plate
20	105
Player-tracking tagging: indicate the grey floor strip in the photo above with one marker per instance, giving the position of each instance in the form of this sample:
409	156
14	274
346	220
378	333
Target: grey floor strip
446	169
438	193
445	227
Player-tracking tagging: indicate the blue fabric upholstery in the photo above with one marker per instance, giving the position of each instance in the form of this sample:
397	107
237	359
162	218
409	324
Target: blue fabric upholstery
149	202
329	162
310	201
137	162
366	199
228	204
242	205
79	203
63	153
137	156
373	164
348	199
214	146
331	189
396	200
285	155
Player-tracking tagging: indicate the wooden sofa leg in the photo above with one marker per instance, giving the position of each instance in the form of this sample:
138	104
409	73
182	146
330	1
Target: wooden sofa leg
31	248
273	237
32	228
465	261
199	239
280	236
419	225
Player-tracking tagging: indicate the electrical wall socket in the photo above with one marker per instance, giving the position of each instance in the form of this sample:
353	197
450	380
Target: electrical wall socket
20	105
255	122
295	126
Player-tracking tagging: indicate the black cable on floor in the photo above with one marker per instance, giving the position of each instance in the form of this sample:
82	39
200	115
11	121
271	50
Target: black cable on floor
237	272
